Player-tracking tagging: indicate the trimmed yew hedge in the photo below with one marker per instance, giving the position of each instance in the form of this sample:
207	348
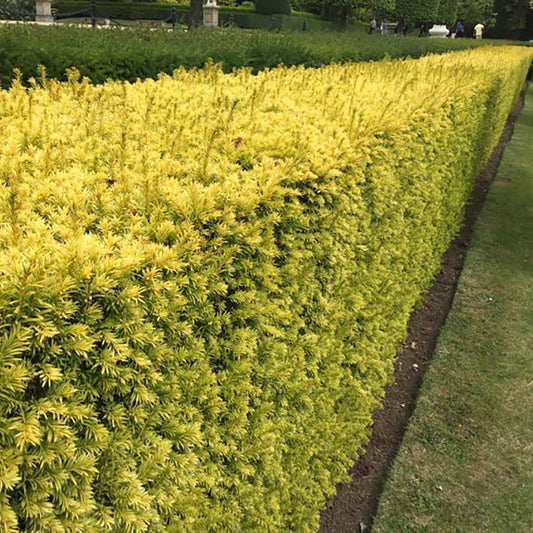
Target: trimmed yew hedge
204	281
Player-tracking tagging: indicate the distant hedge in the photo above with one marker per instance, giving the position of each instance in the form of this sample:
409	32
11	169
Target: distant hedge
122	10
158	11
133	10
204	281
273	7
131	54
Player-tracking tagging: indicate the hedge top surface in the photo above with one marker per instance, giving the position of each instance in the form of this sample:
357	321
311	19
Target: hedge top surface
204	280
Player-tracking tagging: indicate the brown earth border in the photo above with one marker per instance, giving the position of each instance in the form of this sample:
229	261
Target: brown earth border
353	508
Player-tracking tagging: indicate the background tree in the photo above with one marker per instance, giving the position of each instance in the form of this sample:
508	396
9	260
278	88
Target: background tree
195	16
474	11
312	6
447	12
417	11
511	18
343	9
529	23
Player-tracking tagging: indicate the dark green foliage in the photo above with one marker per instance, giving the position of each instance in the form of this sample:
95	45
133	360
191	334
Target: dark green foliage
294	22
511	21
134	10
273	7
243	17
143	54
474	11
447	11
313	6
416	10
17	9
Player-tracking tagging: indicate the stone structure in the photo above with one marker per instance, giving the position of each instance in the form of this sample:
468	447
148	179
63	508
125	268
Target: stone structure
439	30
211	14
43	10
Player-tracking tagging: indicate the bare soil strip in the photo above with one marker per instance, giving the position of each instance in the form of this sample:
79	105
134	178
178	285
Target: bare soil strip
353	508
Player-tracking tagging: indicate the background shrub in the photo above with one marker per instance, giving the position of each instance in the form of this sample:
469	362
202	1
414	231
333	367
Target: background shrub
273	7
158	11
17	9
128	55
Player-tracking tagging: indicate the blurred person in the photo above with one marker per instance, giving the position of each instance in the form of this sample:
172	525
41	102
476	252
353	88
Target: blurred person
478	30
459	30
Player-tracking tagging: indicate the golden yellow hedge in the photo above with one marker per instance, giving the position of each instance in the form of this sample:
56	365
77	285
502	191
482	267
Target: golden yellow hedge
204	281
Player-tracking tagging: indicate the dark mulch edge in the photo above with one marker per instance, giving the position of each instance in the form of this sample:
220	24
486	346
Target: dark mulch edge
353	508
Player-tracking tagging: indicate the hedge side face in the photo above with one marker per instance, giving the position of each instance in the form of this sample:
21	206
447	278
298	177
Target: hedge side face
204	280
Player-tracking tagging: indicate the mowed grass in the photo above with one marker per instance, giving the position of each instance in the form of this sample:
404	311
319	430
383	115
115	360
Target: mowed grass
466	463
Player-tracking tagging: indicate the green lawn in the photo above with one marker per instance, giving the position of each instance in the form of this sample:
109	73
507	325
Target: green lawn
466	464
